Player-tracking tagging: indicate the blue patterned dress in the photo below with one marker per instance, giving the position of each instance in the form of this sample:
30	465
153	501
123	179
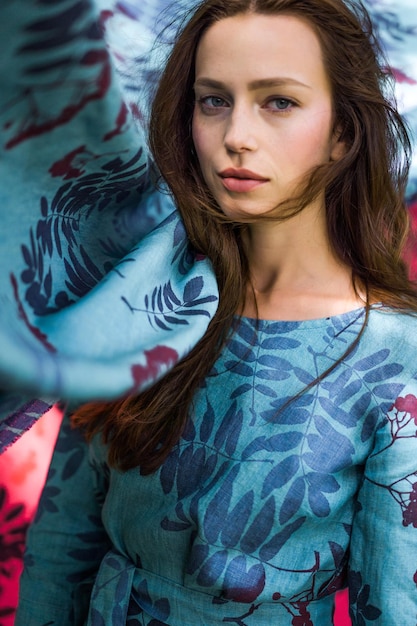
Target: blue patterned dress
249	520
264	508
77	201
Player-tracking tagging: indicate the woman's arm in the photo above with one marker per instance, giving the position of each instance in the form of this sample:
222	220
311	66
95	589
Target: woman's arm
67	541
383	563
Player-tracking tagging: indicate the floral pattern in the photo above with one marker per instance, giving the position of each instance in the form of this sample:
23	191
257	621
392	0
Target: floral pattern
77	192
362	612
72	111
265	508
90	204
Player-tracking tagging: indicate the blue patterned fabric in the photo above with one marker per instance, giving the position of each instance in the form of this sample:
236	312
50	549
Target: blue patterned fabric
85	304
259	514
85	312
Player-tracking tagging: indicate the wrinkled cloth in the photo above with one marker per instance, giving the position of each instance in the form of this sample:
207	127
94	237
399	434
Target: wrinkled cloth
263	510
91	304
90	307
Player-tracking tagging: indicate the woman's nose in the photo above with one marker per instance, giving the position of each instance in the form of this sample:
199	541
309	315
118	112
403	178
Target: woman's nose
240	134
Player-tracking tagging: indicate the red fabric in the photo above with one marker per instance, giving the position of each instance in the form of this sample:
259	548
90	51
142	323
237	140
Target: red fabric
341	615
23	469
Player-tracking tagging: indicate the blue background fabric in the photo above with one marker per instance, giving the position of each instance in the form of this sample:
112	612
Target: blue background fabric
93	302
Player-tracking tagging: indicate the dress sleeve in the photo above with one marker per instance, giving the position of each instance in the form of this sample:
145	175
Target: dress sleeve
67	541
383	562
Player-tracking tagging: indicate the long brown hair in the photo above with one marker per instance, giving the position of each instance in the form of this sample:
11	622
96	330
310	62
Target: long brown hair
367	218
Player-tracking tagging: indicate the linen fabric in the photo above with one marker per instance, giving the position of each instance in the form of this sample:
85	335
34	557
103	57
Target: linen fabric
265	507
90	307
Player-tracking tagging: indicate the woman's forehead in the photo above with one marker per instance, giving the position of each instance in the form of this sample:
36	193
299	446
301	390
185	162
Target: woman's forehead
257	47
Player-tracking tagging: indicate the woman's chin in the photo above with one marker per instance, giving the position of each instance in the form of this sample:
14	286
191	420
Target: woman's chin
247	213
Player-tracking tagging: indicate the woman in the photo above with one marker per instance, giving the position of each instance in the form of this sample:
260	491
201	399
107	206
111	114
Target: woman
277	462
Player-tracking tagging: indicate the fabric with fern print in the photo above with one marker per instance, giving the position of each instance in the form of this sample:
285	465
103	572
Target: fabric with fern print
77	199
91	304
271	502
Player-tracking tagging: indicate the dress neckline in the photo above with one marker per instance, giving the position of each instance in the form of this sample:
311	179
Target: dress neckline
341	319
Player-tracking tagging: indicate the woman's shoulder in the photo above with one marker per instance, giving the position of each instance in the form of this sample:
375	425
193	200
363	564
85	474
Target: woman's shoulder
393	330
397	322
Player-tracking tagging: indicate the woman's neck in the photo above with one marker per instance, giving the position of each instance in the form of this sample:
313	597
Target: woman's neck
295	274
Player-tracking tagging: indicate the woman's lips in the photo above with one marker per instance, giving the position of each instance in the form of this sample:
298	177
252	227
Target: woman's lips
242	185
241	180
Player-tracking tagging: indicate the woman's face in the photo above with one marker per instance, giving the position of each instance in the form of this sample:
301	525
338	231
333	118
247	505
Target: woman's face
263	113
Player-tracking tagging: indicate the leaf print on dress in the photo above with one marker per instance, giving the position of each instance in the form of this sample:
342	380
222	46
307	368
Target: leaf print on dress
237	520
56	236
165	308
243	583
71	36
241	619
296	607
360	610
322	458
141	603
402	420
289	410
157	359
282	442
280	474
410	510
403	412
226	522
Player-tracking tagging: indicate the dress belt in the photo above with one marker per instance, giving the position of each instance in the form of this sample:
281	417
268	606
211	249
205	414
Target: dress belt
123	591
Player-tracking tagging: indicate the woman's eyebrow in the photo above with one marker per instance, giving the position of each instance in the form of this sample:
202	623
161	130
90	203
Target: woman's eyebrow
276	82
260	83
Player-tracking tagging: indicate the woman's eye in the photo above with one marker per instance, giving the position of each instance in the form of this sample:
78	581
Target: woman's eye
212	102
280	104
